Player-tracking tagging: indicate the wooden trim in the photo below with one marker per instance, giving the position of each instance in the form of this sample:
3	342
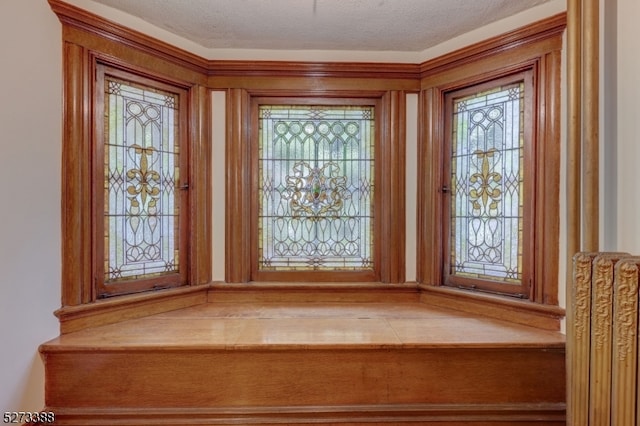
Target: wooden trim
529	34
525	414
391	160
108	311
500	307
76	178
200	189
529	174
574	130
591	125
547	238
183	198
430	244
76	17
377	70
540	55
313	292
238	189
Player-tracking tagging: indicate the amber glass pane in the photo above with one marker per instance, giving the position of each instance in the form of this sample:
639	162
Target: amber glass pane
141	170
315	188
487	185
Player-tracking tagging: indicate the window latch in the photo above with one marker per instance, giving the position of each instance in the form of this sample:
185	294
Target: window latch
184	187
444	189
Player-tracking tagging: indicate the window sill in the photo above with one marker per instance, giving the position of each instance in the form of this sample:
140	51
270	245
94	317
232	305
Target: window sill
505	308
324	292
121	308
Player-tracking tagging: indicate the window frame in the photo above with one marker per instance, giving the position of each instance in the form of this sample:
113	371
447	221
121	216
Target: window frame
523	289
542	57
372	275
241	183
129	286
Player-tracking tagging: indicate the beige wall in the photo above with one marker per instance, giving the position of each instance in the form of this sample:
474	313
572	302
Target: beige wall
627	143
30	111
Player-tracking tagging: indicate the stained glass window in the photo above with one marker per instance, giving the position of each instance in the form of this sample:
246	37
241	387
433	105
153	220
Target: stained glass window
487	182
141	155
316	187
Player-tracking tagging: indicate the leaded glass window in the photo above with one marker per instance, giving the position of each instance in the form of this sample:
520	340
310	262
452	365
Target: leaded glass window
487	185
315	188
141	169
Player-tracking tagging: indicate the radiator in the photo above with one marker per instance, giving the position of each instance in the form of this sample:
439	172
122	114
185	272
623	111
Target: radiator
602	341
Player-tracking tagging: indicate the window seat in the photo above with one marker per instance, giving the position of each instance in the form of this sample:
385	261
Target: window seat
303	362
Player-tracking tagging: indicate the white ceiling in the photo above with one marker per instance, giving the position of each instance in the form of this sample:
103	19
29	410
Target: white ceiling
364	25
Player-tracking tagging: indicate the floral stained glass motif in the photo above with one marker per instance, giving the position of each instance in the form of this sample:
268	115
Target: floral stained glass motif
316	187
487	181
141	170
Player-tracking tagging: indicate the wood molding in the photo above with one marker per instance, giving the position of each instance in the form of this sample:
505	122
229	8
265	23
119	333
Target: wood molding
540	30
286	292
76	178
591	126
391	162
109	311
429	250
238	189
78	18
547	235
539	53
200	188
313	69
500	307
550	414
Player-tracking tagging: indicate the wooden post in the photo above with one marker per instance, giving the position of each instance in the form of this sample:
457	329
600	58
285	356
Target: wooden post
590	151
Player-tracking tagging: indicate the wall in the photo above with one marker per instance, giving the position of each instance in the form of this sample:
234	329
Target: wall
623	178
30	119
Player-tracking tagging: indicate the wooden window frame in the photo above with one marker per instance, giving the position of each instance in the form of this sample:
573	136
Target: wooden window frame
389	227
144	283
452	280
313	276
83	177
539	56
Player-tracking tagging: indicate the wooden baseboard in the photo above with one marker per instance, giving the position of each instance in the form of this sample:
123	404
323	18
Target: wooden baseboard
122	308
499	307
313	292
361	415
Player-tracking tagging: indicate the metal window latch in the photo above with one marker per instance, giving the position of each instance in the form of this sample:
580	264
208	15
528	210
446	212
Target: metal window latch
444	189
185	186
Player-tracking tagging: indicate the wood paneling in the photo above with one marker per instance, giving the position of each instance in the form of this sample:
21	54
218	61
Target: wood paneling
109	311
391	161
200	188
76	178
551	27
538	52
313	292
238	189
286	362
505	308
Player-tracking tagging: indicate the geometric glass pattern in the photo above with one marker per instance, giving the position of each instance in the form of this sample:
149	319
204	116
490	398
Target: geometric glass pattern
315	188
487	180
141	170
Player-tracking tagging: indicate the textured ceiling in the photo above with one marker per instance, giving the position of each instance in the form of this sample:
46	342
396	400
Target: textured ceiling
367	25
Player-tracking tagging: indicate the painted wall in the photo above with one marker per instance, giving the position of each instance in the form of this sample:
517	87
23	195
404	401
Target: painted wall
30	122
624	175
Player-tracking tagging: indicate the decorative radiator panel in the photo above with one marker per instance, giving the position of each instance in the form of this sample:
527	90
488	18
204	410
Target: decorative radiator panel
602	336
